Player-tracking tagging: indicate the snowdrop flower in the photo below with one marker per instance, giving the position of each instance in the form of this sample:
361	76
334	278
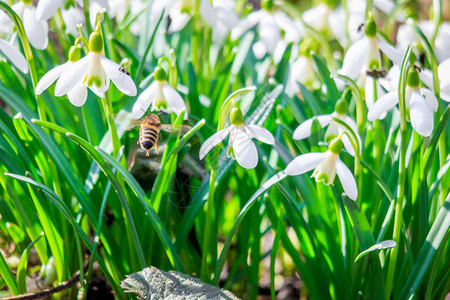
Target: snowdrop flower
334	130
419	101
326	166
95	72
14	55
240	146
36	29
302	69
270	23
363	54
407	36
78	94
161	96
444	79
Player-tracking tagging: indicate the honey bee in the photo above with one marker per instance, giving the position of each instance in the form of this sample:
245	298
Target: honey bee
149	133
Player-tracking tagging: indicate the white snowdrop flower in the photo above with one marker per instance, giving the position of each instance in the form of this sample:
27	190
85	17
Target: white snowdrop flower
444	79
72	16
95	72
45	9
301	70
78	94
36	29
420	102
275	29
363	54
326	166
334	130
14	55
161	96
407	36
240	145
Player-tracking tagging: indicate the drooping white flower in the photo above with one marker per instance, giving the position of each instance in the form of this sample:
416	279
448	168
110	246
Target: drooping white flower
78	94
363	54
419	101
406	36
334	129
160	96
326	166
444	79
14	55
95	72
36	29
275	29
240	146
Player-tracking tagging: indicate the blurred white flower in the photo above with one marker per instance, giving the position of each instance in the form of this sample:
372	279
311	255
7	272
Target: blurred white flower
326	166
334	130
14	55
444	79
275	29
406	36
95	72
161	96
419	101
36	29
240	145
301	70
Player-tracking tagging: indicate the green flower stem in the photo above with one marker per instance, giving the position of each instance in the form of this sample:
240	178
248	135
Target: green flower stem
196	36
402	176
87	15
209	250
369	4
437	19
354	140
108	110
141	65
28	54
377	133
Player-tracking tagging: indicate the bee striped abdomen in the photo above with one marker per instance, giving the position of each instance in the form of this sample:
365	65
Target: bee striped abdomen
148	138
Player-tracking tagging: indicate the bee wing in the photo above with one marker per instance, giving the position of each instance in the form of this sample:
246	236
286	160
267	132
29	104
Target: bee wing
125	121
171	128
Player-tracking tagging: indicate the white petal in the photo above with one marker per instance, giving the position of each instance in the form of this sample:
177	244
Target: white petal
208	13
392	53
260	133
427	77
305	162
259	49
174	100
430	98
382	105
355	58
347	179
50	77
245	150
421	115
250	21
178	20
78	94
269	34
213	140
444	70
304	129
122	81
291	32
47	8
37	31
14	55
144	100
72	76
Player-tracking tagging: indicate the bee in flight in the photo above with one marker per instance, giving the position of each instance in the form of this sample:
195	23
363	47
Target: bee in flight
149	133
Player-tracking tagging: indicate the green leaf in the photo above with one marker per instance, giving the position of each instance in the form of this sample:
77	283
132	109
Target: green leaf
8	276
378	246
433	241
23	264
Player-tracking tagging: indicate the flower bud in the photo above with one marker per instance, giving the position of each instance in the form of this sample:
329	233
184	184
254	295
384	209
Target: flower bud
413	79
74	53
370	27
341	107
160	74
267	4
95	42
336	146
236	117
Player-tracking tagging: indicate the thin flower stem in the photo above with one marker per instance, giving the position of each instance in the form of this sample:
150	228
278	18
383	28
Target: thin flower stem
402	176
107	107
437	19
87	16
369	4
